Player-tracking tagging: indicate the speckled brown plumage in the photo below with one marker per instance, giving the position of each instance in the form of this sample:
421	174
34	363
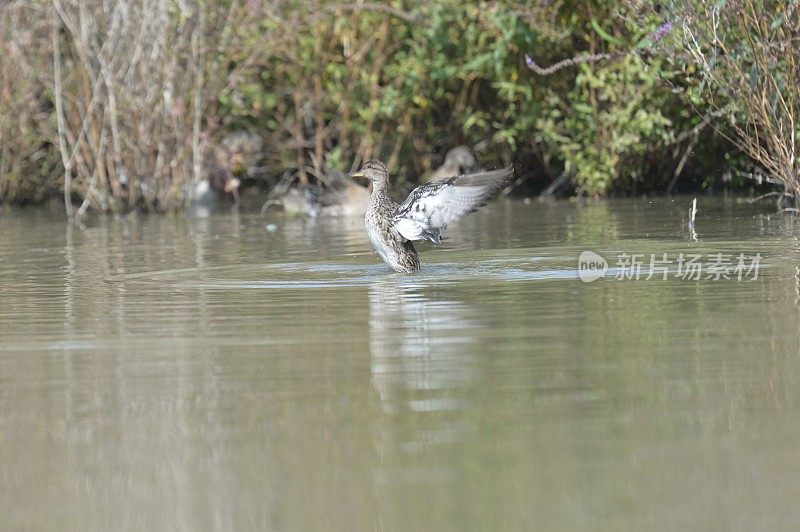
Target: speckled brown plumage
425	214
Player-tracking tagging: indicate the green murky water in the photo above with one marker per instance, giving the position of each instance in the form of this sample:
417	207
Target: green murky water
186	374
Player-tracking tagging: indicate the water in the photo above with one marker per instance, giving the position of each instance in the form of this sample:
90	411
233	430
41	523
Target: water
164	372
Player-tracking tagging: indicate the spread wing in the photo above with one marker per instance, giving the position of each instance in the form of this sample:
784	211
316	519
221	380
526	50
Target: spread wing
430	208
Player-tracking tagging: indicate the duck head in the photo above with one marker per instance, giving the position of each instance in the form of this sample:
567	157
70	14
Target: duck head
375	171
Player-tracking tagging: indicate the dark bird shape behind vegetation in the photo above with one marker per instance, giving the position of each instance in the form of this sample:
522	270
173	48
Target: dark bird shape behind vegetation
425	213
235	156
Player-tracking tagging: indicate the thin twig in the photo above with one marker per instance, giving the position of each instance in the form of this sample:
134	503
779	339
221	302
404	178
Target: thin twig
97	168
764	196
60	120
560	181
707	118
198	50
682	162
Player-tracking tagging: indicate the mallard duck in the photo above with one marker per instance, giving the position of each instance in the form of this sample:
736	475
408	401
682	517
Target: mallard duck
425	213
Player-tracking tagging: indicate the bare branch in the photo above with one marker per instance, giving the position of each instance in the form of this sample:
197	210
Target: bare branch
59	101
570	61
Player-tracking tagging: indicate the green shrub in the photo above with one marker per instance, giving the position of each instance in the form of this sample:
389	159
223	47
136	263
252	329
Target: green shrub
329	87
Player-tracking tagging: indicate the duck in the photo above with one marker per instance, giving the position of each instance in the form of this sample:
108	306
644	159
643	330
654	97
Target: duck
426	212
296	201
458	160
300	201
344	197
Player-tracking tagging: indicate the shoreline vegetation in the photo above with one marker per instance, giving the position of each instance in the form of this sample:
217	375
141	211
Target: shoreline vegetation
121	106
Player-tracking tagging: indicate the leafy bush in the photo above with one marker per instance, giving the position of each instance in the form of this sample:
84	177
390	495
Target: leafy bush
28	162
145	91
747	58
607	124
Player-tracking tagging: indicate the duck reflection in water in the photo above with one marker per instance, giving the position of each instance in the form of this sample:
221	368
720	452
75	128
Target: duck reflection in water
423	370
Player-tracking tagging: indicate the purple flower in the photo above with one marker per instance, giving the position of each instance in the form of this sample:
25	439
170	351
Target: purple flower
528	60
661	31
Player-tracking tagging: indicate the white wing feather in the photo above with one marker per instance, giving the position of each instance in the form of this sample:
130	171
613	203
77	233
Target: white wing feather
430	208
